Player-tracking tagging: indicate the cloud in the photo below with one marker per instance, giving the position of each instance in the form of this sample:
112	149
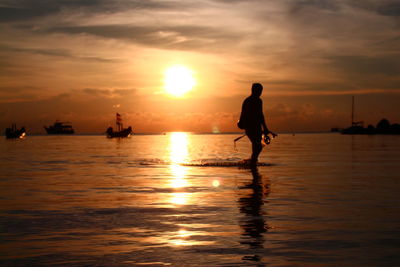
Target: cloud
92	110
53	53
389	8
382	7
317	5
23	10
109	93
366	65
183	37
19	94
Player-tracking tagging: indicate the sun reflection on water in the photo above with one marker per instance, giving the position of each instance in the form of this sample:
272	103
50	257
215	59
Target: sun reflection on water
178	173
184	237
179	198
178	147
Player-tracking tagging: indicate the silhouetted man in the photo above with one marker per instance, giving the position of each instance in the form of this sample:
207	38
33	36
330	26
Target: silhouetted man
253	122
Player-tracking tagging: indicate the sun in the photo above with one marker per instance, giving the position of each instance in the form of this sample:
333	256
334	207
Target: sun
178	80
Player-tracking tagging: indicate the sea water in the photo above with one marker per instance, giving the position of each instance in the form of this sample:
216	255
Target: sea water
322	200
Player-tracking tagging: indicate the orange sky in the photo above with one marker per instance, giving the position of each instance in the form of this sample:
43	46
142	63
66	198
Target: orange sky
82	61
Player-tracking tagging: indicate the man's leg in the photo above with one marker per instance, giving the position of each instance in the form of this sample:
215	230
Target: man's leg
257	147
255	138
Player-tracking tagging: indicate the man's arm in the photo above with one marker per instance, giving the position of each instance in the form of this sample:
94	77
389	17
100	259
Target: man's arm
264	125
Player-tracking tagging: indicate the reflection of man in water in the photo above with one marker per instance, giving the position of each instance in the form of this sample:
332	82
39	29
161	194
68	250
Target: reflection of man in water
253	122
253	222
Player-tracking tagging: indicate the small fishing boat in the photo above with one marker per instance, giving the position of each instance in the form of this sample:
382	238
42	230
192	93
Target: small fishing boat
13	132
121	131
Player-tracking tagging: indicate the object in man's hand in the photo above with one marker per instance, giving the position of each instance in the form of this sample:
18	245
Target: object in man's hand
267	139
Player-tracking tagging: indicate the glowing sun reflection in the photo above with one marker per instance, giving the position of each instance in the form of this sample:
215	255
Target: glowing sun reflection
179	198
185	238
178	173
178	147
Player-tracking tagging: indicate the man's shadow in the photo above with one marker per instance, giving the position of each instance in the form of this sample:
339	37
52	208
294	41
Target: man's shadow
253	222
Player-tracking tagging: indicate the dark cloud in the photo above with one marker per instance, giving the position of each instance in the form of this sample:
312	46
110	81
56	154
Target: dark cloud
367	65
53	52
301	5
382	7
389	8
161	33
8	14
23	10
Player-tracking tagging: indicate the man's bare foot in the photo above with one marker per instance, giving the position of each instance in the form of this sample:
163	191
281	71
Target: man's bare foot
245	162
248	162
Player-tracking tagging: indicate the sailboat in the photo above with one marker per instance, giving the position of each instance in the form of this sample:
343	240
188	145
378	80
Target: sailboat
382	127
121	131
357	127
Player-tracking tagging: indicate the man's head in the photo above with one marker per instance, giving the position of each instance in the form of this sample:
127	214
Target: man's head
256	89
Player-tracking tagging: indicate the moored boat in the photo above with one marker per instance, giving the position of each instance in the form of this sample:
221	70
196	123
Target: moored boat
13	132
383	126
121	131
59	128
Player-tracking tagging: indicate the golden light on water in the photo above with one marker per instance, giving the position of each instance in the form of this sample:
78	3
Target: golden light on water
180	198
178	80
184	237
180	238
178	172
178	149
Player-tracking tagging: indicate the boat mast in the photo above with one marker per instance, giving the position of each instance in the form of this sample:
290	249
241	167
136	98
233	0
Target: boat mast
352	111
118	121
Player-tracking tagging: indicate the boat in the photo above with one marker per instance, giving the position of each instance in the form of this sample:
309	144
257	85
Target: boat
121	131
60	128
383	126
13	132
357	127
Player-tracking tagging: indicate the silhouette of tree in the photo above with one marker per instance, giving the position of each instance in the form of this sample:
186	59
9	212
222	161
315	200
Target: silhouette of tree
383	124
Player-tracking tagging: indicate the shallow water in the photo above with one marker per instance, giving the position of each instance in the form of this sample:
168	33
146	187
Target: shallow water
323	200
